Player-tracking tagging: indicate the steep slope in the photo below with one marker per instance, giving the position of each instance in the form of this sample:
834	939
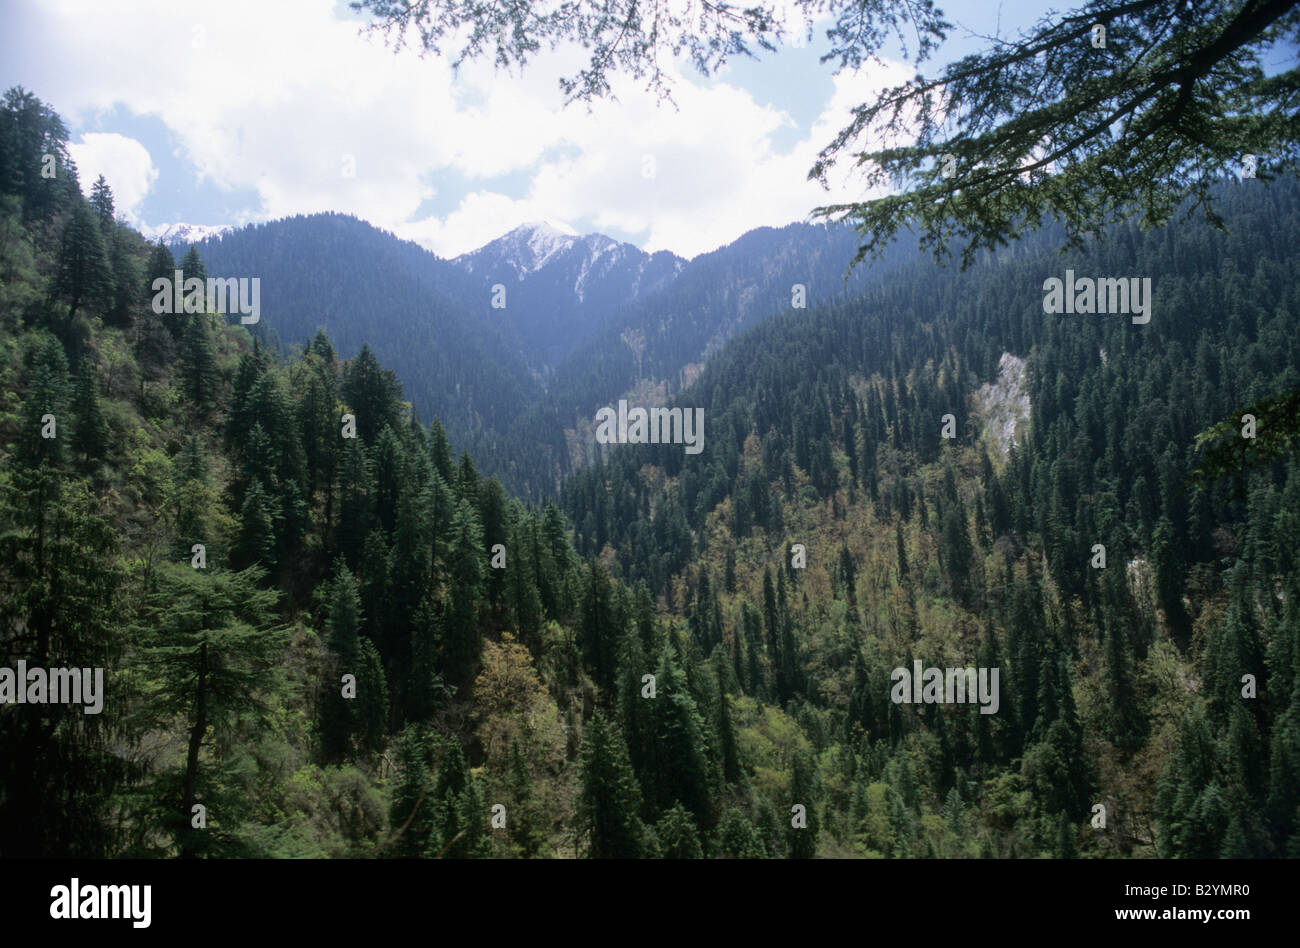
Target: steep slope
585	320
652	347
181	510
420	315
830	533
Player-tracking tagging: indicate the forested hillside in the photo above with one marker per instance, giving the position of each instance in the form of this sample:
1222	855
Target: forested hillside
581	321
325	632
421	316
650	348
1122	677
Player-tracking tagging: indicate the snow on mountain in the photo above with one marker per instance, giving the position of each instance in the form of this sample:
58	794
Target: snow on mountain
557	226
545	240
526	249
182	233
565	282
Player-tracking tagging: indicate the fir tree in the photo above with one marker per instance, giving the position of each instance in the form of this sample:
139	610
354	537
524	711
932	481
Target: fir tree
210	652
101	202
83	276
344	624
90	434
198	363
609	799
677	835
192	267
412	814
802	841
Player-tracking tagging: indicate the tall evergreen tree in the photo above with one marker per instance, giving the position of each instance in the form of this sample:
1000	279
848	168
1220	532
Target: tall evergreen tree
101	202
210	651
198	363
83	276
609	799
338	720
90	433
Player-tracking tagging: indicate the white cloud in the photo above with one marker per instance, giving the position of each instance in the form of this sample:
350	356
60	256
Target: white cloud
715	176
278	96
125	164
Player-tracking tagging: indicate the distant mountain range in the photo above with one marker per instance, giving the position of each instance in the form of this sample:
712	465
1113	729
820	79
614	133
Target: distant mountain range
586	319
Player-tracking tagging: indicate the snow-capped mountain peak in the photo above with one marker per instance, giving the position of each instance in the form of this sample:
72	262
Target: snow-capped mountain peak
565	281
182	233
545	240
549	224
526	249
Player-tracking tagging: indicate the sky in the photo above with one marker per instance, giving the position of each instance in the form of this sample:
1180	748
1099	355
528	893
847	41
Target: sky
226	112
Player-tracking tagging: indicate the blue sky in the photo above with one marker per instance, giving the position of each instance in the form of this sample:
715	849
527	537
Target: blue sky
232	111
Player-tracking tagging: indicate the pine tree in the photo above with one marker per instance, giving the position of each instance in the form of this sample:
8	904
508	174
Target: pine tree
371	715
599	632
356	487
161	266
1067	838
730	750
1283	804
802	842
678	838
901	552
525	602
256	543
468	483
376	592
371	393
198	363
461	630
101	202
317	419
609	800
772	629
737	838
59	561
956	554
210	652
195	500
90	434
440	452
83	276
48	389
451	781
344	623
192	265
492	514
678	768
471	839
789	672
125	276
635	713
412	814
524	822
1190	816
